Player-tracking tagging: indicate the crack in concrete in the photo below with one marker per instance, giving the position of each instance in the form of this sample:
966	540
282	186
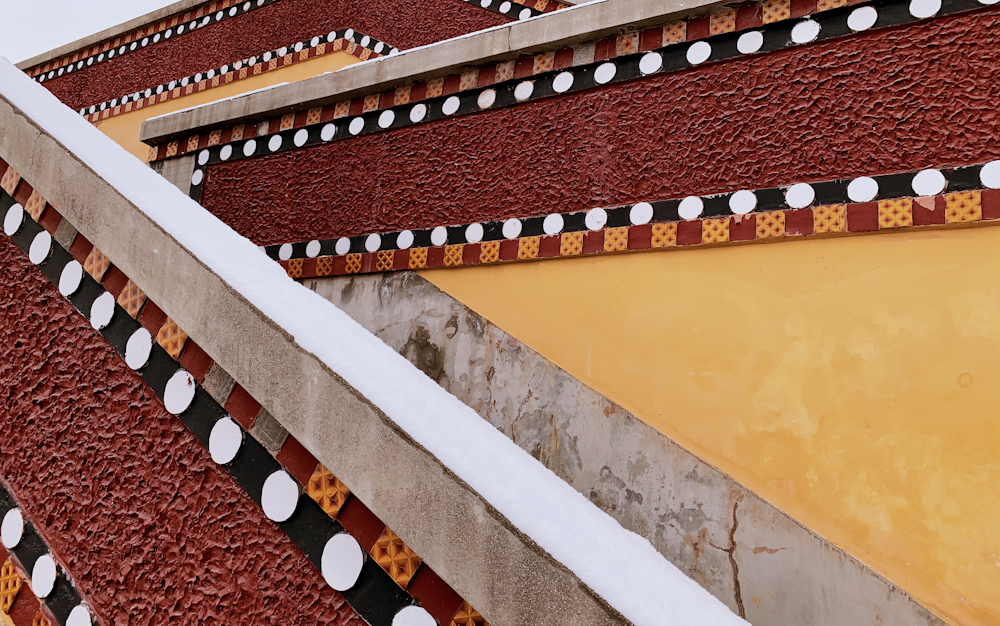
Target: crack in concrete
732	559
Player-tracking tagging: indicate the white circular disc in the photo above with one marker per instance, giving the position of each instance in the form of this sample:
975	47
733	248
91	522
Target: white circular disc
301	137
79	616
102	310
280	496
226	152
413	616
232	11
404	240
138	348
328	132
553	224
805	31
485	3
748	43
928	183
641	213
386	119
605	73
862	18
249	148
179	393
512	228
357	125
862	189
526	13
365	41
312	249
343	246
418	112
373	243
43	576
524	90
285	252
12	221
650	62
924	8
439	236
800	195
505	7
451	105
690	207
699	52
12	528
283	51
41	245
70	279
989	175
314	42
349	34
379	47
298	47
474	233
225	440
562	82
342	561
203	157
486	99
988	2
742	202
274	143
596	218
197	177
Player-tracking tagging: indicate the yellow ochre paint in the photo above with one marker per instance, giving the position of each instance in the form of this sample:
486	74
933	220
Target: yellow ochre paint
124	128
852	382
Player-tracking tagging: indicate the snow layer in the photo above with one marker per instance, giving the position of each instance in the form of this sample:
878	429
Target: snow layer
620	566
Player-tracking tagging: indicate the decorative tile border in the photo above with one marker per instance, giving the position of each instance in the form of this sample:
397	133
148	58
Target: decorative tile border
47	595
520	9
388	578
346	40
155	33
747	30
956	196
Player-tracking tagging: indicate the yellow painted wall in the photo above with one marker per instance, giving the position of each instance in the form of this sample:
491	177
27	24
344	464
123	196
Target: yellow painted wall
124	129
852	382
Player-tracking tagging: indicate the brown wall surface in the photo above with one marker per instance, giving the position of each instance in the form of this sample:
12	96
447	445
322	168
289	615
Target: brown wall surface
152	531
893	100
399	23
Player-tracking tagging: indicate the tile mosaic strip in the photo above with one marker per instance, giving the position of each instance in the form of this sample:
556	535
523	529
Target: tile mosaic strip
519	9
933	197
347	40
152	34
670	48
378	574
48	592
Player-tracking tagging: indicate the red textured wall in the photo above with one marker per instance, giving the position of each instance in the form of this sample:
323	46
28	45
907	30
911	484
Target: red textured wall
400	23
896	100
150	529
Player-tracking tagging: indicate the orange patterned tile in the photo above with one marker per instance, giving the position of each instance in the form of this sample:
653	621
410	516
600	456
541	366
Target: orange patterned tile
193	142
131	298
395	557
435	88
722	22
371	102
469	80
238	132
715	230
383	261
10	584
468	616
171	338
172	148
401	95
770	224
353	264
829	219
664	235
826	5
40	620
313	115
527	248
543	62
489	252
327	490
324	266
342	109
616	239
453	255
895	213
965	206
504	71
35	205
295	267
571	244
10	180
627	44
777	10
96	264
418	258
287	121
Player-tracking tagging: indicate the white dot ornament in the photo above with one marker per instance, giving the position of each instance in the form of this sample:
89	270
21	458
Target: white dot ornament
512	228
800	195
562	82
650	62
751	42
439	236
487	98
699	52
43	576
313	248
225	440
328	132
989	175
280	496
357	125
450	106
928	183
301	137
862	18
179	394
418	112
226	152
102	310
342	561
373	243
596	219
553	224
70	278
805	31
641	213
742	202
274	143
605	73
862	189
13	220
404	240
343	246
12	528
41	245
921	9
524	90
197	177
249	148
79	616
690	207
474	233
138	349
285	252
413	616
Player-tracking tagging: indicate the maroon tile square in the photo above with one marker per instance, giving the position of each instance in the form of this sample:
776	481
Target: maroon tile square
743	230
801	8
326	115
25	607
640	237
452	84
300	119
195	360
604	49
360	522
339	266
435	595
991	204
487	75
203	141
548	246
524	67
698	28
923	216
418	92
299	462
242	407
470	253
114	280
749	15
81	248
508	250
401	260
387	100
593	242
357	106
50	219
799	222
651	39
689	233
22	192
564	59
3	167
435	257
369	261
862	217
152	317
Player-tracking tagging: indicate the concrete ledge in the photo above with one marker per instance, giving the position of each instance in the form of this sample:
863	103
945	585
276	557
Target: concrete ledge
108	33
490	563
585	22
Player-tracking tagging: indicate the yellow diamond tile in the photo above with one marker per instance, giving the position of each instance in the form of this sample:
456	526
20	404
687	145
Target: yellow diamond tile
10	180
722	22
353	263
527	248
571	244
489	252
324	266
664	235
616	239
966	206
468	616
171	338
895	213
96	264
770	224
131	298
384	261
327	490
395	557
295	268
829	219
10	584
453	255
715	230
777	10
418	258
35	205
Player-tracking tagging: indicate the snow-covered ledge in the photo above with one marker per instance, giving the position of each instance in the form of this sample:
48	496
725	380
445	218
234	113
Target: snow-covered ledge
512	538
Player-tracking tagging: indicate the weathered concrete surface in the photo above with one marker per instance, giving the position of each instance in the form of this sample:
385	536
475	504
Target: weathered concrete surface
756	559
487	560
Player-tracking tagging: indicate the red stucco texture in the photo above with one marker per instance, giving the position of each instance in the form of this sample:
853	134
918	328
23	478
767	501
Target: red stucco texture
400	23
912	97
150	529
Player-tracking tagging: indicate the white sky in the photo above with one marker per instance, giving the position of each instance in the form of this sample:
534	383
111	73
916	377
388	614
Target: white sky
30	27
